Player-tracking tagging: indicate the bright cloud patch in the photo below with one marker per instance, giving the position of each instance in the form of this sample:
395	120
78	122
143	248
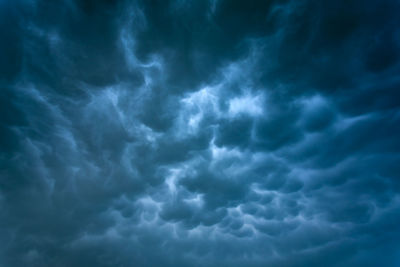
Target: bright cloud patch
250	105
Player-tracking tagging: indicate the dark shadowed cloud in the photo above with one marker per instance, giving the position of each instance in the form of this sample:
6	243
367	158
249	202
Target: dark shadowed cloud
199	133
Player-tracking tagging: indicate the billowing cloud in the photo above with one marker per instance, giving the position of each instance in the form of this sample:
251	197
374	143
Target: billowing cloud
205	133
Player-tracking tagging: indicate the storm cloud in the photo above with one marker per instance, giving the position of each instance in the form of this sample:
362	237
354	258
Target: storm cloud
199	133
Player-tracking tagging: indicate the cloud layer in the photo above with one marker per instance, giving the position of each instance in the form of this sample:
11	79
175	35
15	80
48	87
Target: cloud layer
199	133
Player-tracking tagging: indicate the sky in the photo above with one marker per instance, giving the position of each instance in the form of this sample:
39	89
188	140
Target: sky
199	133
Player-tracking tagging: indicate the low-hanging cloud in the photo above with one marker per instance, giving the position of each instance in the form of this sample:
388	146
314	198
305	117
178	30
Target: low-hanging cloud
206	133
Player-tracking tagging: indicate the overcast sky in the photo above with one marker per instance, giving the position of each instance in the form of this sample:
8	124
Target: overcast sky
199	133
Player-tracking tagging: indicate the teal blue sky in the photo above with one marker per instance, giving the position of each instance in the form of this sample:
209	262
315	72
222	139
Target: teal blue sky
199	133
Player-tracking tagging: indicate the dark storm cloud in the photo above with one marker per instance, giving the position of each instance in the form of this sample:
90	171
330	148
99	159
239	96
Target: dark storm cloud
199	133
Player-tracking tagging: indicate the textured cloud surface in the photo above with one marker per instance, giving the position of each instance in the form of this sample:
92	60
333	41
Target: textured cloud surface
199	133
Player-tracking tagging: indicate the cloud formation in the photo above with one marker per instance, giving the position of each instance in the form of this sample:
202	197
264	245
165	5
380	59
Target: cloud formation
199	133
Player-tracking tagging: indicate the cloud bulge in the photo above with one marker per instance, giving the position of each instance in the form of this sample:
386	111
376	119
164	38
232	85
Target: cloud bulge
205	133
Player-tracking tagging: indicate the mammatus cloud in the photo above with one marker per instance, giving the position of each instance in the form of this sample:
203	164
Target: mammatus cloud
206	133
